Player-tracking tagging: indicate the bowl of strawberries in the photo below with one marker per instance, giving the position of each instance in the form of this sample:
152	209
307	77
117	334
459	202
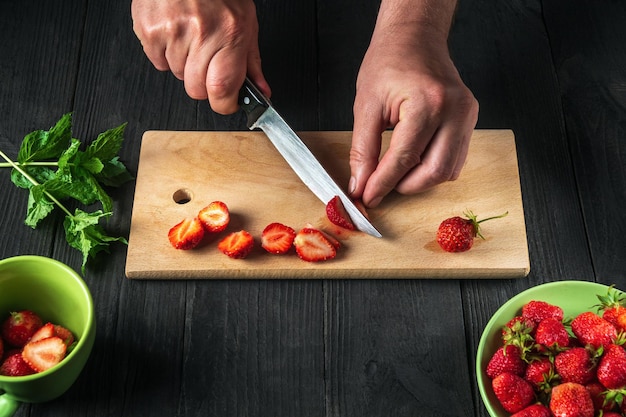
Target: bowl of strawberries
47	329
556	349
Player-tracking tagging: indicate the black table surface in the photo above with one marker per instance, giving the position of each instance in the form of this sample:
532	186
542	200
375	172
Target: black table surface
552	71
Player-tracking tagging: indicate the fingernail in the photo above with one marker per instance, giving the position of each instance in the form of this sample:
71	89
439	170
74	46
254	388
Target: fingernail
351	185
375	202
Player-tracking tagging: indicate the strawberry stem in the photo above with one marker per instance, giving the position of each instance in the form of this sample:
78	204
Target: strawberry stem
472	217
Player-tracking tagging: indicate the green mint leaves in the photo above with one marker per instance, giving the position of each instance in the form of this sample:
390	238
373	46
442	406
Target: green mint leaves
52	167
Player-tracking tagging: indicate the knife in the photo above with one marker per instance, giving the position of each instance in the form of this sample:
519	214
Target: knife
262	115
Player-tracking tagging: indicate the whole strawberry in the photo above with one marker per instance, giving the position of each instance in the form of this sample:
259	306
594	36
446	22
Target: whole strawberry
571	400
537	310
456	234
540	373
612	367
506	359
513	392
593	330
551	334
575	365
15	365
20	326
534	410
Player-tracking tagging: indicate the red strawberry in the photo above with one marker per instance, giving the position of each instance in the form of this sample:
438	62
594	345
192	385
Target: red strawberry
598	396
534	410
277	238
575	365
332	239
571	400
518	331
44	332
506	359
187	234
337	213
64	334
593	330
540	373
612	367
612	308
551	333
312	246
45	353
20	326
215	217
537	311
611	414
513	392
237	245
14	365
457	234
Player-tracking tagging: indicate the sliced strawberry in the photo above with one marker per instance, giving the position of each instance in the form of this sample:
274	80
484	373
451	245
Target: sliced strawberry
215	217
237	244
44	354
312	246
186	234
44	332
14	365
337	214
64	334
277	238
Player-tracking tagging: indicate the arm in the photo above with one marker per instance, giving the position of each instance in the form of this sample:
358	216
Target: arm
408	81
209	44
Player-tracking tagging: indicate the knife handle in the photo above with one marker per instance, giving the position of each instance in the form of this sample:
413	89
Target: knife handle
252	101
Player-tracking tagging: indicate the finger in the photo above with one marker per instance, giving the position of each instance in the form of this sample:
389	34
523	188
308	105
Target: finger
225	76
365	147
255	73
176	53
408	142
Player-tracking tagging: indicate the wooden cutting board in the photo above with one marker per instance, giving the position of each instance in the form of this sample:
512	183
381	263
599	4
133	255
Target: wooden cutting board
181	172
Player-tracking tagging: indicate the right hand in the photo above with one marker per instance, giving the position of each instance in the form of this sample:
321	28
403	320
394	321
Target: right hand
209	44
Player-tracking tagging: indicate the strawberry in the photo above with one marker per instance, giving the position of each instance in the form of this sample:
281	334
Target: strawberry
20	326
598	396
237	245
332	239
551	334
612	367
506	359
14	365
540	373
534	410
44	332
456	234
45	353
64	334
575	365
277	238
613	308
312	246
593	330
187	234
570	399
537	310
513	392
337	214
215	217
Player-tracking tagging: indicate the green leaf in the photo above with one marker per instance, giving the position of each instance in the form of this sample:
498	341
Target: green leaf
39	174
82	232
39	206
41	145
108	144
114	173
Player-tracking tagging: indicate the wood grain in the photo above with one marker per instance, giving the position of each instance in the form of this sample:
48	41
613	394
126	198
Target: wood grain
247	173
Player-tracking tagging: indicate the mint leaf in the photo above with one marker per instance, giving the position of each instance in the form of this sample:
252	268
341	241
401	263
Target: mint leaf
108	144
39	206
82	232
114	173
41	145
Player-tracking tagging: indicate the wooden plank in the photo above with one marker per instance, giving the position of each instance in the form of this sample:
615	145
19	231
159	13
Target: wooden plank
247	173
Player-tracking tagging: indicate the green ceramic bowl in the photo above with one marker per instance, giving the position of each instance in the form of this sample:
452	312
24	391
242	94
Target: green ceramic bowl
573	297
59	295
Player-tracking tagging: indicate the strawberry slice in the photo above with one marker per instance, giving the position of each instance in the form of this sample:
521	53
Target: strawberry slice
277	238
237	245
44	354
186	234
337	214
64	334
44	332
312	246
332	239
215	217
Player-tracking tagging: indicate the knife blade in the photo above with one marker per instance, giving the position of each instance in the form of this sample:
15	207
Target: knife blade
261	114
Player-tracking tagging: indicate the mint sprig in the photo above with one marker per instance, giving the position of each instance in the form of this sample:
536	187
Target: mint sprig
52	167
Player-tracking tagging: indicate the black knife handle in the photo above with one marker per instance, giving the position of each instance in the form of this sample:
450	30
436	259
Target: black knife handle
252	101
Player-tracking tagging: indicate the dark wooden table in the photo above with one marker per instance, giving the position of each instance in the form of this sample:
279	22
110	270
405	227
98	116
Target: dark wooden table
552	71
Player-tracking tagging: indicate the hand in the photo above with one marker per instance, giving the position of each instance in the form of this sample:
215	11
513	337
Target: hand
209	44
408	81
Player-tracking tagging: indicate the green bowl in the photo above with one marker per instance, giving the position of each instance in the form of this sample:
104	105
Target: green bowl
59	295
573	297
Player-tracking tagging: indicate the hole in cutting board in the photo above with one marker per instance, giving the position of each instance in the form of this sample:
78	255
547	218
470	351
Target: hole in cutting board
182	196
